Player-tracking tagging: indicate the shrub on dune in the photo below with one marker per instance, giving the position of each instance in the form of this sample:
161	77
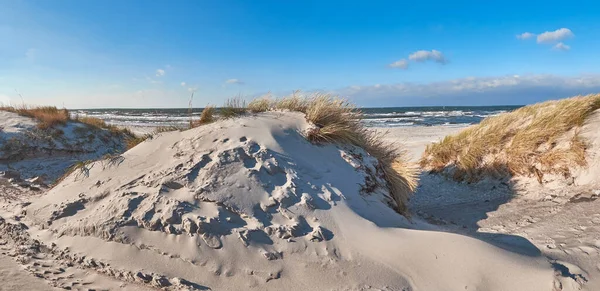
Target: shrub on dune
534	140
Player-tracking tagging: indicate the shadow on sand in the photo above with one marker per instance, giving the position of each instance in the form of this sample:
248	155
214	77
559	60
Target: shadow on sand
459	207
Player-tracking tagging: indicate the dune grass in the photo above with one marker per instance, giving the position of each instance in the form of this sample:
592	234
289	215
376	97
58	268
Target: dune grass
207	116
261	104
292	103
128	135
234	107
338	121
46	116
534	140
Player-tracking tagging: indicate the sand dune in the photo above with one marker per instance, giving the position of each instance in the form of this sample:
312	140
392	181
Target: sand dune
249	203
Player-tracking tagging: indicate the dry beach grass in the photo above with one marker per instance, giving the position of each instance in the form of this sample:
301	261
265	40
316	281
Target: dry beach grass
538	139
47	116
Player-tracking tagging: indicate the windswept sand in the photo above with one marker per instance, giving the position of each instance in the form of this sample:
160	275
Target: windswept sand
247	204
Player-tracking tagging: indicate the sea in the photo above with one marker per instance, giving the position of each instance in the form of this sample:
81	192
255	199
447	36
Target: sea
374	117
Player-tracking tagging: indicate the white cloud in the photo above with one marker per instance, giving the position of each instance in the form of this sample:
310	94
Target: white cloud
562	47
160	72
192	89
420	57
234	81
525	35
555	36
401	64
183	84
423	55
513	89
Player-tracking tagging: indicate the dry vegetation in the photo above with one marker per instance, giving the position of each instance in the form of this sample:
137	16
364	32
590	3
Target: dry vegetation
260	105
233	107
534	140
338	121
207	116
47	116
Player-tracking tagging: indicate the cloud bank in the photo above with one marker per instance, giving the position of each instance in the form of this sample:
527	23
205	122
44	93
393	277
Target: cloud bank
504	90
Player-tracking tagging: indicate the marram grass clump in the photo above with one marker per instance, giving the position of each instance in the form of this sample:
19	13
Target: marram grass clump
260	105
207	116
534	140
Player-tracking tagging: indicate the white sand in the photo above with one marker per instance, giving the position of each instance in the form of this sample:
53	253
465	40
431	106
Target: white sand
250	204
415	138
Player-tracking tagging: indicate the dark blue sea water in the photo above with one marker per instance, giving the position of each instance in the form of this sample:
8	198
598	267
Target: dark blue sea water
379	117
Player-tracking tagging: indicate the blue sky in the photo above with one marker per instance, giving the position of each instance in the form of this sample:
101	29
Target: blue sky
376	53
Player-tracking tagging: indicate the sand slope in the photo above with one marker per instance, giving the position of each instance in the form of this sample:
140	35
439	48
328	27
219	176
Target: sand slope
49	152
249	203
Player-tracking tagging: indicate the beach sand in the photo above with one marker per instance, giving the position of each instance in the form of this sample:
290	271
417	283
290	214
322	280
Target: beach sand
250	204
414	139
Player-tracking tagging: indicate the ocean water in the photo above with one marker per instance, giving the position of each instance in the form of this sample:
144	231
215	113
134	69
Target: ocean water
374	117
